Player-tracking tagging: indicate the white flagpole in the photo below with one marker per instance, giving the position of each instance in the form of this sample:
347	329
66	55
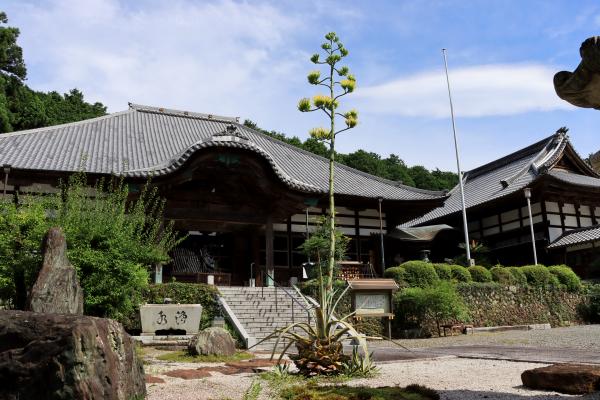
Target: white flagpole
460	176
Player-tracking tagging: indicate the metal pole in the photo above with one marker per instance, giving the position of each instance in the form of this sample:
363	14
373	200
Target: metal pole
528	196
460	175
381	236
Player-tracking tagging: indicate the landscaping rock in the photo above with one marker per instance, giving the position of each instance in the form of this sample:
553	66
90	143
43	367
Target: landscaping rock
188	373
154	379
212	341
56	289
61	356
564	378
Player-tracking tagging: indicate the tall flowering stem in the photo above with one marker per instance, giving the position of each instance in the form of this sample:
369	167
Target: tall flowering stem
338	82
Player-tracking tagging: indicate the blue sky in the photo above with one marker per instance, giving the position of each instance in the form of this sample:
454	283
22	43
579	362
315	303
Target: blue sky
250	59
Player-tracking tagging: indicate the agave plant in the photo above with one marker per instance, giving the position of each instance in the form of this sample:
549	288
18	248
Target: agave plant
359	366
320	342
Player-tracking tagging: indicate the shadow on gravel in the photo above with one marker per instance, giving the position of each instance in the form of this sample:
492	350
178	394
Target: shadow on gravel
480	394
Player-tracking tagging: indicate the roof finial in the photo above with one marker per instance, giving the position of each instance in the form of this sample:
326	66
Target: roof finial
562	132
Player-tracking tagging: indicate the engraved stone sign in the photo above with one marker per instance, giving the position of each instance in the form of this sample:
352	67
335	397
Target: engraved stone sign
157	317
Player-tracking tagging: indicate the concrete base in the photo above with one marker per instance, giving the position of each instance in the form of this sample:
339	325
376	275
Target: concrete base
167	340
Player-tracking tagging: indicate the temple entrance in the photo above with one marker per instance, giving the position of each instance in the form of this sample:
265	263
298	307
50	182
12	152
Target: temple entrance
226	256
227	203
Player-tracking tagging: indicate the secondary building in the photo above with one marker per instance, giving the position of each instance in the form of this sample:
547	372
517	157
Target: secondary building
565	197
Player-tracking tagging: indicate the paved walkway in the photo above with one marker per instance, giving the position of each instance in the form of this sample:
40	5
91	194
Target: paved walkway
509	353
579	344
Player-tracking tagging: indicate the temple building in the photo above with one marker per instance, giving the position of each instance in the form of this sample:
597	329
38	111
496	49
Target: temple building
245	200
565	209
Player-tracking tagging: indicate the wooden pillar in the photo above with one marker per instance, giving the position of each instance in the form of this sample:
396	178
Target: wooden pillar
256	255
269	250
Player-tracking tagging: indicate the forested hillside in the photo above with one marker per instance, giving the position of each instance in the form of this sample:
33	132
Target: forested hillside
24	108
391	167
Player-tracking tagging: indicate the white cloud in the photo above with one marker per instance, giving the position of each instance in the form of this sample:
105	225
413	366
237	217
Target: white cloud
220	57
477	91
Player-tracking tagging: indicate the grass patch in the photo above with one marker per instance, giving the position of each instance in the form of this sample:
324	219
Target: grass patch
184	357
282	380
315	392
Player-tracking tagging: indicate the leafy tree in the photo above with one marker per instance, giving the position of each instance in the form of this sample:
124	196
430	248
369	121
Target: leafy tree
328	104
11	54
112	242
24	108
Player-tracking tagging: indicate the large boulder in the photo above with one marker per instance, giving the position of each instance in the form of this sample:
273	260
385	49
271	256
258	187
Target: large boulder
212	341
56	289
62	356
564	378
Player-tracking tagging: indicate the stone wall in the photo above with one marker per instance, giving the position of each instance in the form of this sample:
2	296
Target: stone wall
495	305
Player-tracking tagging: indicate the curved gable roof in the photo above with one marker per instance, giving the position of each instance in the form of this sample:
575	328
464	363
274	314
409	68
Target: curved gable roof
149	141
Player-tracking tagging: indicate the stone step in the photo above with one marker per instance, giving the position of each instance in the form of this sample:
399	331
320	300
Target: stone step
263	311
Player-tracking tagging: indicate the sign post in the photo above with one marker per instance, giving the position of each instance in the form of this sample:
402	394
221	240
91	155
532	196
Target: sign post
373	298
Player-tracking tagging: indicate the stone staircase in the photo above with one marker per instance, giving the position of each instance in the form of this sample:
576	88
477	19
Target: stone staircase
257	312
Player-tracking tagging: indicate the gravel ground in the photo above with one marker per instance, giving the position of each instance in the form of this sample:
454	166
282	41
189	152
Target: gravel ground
584	337
463	379
454	378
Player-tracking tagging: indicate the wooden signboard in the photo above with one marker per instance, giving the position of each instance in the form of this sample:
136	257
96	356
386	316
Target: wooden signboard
373	297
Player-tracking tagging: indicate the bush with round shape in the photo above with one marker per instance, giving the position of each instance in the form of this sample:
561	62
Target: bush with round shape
566	277
518	275
502	275
396	273
460	273
480	274
539	275
443	271
420	274
440	303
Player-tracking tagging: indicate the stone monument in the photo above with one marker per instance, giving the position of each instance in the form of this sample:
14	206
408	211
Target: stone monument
582	86
56	289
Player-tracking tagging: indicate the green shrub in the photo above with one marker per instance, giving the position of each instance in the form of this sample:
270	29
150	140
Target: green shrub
502	275
396	273
112	242
480	274
566	277
440	303
518	275
419	274
590	310
539	275
443	271
460	273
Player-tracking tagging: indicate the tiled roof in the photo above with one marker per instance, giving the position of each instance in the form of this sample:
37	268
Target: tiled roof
577	236
149	141
510	174
575	179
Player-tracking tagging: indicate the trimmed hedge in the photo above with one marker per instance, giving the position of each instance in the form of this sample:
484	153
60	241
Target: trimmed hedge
396	273
420	274
519	277
480	274
539	275
566	277
502	275
460	273
443	271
